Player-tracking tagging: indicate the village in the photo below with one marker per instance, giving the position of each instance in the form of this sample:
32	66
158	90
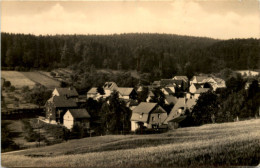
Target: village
178	93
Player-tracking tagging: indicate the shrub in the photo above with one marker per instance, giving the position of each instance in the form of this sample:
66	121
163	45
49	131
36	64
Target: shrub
25	88
7	84
12	88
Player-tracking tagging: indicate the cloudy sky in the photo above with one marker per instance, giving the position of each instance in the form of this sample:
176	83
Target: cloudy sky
221	19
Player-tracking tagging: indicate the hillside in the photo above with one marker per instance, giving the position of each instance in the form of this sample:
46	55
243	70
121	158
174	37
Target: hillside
208	145
162	55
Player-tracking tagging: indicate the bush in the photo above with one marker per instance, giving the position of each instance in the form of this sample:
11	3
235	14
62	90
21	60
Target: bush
12	88
25	88
7	84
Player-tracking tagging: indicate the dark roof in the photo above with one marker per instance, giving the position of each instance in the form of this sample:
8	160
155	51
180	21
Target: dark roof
144	107
197	86
70	91
169	90
171	99
79	113
201	90
184	78
61	101
178	119
165	82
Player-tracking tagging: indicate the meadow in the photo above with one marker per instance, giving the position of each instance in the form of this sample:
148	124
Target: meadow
227	144
17	79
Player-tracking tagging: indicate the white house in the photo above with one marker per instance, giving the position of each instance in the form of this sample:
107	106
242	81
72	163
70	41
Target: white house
92	93
109	87
76	116
127	93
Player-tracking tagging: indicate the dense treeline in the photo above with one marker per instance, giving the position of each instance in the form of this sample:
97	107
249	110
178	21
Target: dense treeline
162	54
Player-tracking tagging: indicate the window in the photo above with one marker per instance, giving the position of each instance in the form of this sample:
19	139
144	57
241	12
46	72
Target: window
159	115
152	118
141	115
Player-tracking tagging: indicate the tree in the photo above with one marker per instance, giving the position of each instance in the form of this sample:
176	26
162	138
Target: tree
7	84
115	115
142	96
100	90
205	108
39	95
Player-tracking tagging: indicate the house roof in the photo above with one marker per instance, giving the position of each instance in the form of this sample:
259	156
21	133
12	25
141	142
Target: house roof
184	78
62	101
79	113
171	99
200	78
125	91
70	91
144	107
201	90
92	91
110	86
181	103
178	119
151	94
197	85
142	111
168	90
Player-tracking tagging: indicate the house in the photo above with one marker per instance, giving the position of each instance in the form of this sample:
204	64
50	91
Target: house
184	79
248	73
175	83
109	87
156	84
69	92
214	83
200	91
179	109
56	107
150	96
198	79
177	122
194	87
127	93
149	115
92	93
76	116
170	99
167	91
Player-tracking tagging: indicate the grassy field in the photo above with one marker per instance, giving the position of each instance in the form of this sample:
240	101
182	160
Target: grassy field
17	79
228	144
42	79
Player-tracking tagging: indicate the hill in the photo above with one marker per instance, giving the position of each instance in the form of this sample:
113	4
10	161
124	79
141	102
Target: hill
162	55
227	144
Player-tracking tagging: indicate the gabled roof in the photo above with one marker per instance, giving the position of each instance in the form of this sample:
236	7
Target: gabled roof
110	86
171	99
62	101
165	82
70	91
144	107
184	78
181	103
92	91
151	94
125	91
201	90
178	119
168	90
197	85
142	111
79	113
199	78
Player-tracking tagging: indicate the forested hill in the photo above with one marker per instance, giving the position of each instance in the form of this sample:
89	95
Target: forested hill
162	54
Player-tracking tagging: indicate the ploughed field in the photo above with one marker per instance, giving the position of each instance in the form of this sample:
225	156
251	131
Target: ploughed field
227	144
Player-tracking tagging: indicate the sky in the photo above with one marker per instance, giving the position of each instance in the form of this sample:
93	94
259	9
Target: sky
221	19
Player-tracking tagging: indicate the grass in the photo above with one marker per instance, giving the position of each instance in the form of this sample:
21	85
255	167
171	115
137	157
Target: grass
17	79
42	79
228	144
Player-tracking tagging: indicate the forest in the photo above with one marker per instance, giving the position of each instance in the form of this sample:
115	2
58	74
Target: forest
162	55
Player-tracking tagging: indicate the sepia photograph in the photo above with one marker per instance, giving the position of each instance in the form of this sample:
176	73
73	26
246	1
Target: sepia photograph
128	83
